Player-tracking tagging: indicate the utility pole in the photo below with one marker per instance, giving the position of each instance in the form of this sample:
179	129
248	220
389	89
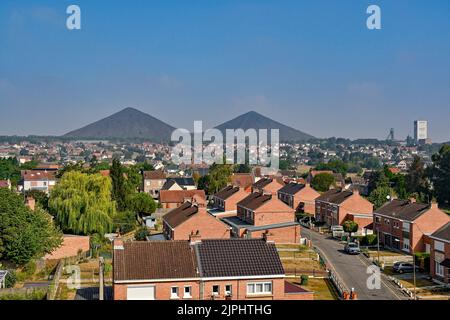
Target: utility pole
101	282
378	247
414	272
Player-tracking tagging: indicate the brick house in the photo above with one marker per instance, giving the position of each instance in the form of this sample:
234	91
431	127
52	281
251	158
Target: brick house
189	219
179	183
259	215
401	224
243	180
300	197
153	182
170	199
267	185
41	180
225	201
440	254
336	206
231	269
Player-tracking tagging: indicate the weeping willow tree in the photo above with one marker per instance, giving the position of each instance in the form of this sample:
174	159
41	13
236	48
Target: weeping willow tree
81	203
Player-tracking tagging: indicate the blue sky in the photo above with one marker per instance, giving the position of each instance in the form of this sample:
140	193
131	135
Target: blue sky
312	65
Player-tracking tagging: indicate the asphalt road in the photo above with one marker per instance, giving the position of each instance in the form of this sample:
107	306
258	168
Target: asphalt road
352	269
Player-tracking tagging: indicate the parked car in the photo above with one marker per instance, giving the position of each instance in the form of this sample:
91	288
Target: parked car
404	267
352	248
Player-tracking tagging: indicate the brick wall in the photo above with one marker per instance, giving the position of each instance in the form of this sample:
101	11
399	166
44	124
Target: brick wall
238	287
70	247
281	235
208	226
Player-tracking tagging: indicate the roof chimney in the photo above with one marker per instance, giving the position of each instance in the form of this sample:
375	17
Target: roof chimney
434	205
118	244
195	237
268	236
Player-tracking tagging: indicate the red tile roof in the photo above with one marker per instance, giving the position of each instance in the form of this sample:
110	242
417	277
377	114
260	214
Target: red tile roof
243	180
178	196
38	175
145	260
156	174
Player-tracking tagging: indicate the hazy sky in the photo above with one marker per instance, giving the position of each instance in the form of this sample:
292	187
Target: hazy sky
312	65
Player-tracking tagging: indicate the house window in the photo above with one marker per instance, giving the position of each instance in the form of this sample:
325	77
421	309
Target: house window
259	288
187	292
439	270
215	290
395	224
228	290
405	245
406	226
174	293
377	219
439	246
386	221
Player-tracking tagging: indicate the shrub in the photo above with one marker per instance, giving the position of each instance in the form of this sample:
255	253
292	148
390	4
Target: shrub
107	267
36	294
304	279
30	268
141	234
369	240
10	279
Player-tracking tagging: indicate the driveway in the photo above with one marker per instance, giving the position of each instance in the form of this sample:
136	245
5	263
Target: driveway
352	269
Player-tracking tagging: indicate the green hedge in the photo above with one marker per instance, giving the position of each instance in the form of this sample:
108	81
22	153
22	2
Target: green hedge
34	295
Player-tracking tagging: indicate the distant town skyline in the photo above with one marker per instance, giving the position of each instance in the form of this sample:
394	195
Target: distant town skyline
313	66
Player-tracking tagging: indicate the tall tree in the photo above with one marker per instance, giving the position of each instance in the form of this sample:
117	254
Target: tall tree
82	203
142	203
25	234
440	175
380	195
416	180
323	181
119	188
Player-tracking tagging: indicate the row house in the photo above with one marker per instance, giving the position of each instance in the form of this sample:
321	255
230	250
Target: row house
336	206
300	197
260	214
242	180
267	185
179	183
402	224
225	201
41	180
190	219
153	182
170	199
227	269
440	254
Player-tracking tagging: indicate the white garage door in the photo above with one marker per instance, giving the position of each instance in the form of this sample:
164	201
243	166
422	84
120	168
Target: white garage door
141	293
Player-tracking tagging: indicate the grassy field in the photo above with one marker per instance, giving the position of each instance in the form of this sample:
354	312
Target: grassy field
385	253
323	288
409	283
